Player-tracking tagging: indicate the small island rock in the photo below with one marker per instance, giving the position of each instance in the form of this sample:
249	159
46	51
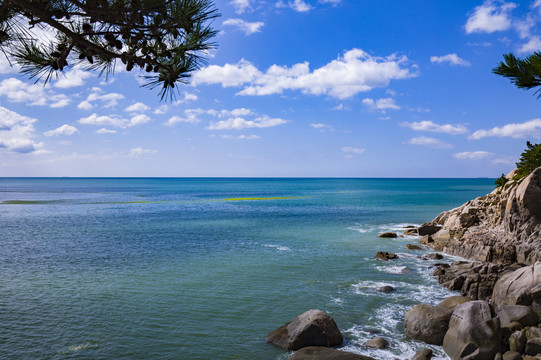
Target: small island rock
413	247
386	289
384	255
388	235
311	328
377	343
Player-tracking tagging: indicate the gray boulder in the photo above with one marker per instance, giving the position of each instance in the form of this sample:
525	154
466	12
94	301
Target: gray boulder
325	353
516	288
533	346
427	323
424	354
512	355
453	301
520	313
517	342
428	229
474	332
384	255
312	328
377	343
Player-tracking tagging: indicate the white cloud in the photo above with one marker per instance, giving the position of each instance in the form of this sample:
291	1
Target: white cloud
238	123
114	120
473	155
342	78
16	132
433	127
240	5
65	129
241	137
299	5
322	127
139	151
161	110
138	107
31	94
452	59
318	126
105	131
533	44
429	142
6	67
380	104
72	78
526	129
190	116
333	2
108	100
489	17
247	27
353	150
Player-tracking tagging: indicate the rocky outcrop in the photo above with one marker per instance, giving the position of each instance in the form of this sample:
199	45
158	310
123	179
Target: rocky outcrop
474	332
520	287
384	255
502	227
388	235
427	323
311	328
325	353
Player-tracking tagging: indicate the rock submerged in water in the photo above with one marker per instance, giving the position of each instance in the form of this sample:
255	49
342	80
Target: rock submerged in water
377	343
424	354
325	353
388	235
411	232
413	247
386	289
311	328
384	255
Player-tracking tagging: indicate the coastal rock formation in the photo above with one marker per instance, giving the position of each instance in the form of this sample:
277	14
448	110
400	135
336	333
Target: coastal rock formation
520	287
502	227
427	323
377	343
384	255
388	235
474	332
325	353
311	328
424	354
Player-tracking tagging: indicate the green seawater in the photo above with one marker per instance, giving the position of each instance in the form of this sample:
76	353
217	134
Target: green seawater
205	268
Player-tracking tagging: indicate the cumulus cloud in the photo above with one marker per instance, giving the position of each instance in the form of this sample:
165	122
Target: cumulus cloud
65	129
16	132
452	59
137	107
489	17
6	67
31	94
526	129
240	5
473	155
105	131
355	72
139	151
191	116
433	127
297	5
429	142
532	45
72	78
247	27
107	100
238	123
114	120
380	104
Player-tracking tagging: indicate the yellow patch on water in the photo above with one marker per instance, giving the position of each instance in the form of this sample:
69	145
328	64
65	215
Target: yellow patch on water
263	198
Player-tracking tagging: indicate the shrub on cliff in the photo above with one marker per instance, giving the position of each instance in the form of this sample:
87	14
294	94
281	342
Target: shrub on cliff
501	181
530	159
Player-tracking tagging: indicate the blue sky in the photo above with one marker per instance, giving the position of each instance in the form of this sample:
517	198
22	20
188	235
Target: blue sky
324	88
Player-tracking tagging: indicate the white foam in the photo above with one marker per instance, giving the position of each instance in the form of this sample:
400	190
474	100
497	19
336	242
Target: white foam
392	269
80	347
277	247
337	300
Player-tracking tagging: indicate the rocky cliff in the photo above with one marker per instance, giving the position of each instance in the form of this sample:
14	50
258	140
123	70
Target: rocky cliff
502	227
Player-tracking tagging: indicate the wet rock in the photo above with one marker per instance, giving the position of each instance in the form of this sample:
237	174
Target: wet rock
411	232
325	353
474	332
388	235
434	256
428	229
386	289
384	255
533	346
312	328
413	247
377	343
424	354
427	323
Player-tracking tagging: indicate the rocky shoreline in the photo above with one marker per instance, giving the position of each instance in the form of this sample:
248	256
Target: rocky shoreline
498	315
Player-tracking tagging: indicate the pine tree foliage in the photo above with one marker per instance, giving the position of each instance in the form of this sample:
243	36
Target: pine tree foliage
501	181
168	39
524	73
529	160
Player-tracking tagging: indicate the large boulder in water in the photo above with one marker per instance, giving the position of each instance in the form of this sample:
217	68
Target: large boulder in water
312	328
325	353
427	323
520	287
474	332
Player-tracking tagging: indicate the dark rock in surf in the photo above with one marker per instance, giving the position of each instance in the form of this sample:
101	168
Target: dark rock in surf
427	323
384	255
424	354
377	343
388	235
325	353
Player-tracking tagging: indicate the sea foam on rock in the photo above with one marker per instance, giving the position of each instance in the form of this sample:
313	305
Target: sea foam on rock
311	328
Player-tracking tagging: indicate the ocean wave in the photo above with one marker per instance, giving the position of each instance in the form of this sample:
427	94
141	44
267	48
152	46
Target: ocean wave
277	247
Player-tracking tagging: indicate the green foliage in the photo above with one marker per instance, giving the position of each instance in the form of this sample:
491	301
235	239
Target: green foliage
501	181
166	38
524	73
530	160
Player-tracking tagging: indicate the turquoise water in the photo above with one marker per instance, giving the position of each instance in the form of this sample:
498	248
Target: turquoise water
205	268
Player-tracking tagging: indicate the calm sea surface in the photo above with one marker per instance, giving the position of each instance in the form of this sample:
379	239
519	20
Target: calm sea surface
205	268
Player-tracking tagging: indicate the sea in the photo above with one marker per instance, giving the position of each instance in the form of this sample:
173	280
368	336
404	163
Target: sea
204	268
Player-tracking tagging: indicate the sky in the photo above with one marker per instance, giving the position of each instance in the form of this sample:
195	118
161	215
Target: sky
297	88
